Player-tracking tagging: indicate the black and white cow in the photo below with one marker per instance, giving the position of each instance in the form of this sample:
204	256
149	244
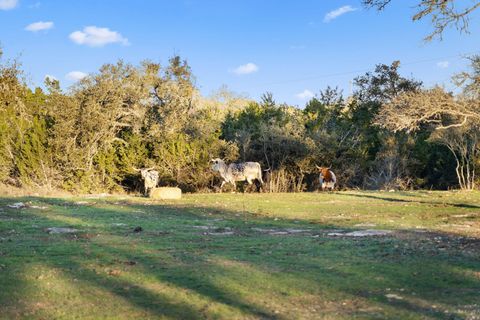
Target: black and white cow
234	172
150	179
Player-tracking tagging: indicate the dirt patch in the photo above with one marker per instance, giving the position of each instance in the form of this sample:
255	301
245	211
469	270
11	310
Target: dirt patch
467	245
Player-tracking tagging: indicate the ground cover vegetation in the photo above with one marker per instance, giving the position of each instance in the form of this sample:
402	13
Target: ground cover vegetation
343	255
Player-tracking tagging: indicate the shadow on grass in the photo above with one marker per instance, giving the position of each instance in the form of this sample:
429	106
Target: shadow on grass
391	199
184	257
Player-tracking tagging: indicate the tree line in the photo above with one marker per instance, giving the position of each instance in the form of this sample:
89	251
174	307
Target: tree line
390	133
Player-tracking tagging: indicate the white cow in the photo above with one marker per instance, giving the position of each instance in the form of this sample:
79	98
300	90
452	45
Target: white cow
234	172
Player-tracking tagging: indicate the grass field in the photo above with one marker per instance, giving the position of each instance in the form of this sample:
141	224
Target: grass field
242	256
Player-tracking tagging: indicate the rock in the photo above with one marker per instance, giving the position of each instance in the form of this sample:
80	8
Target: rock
462	216
17	205
365	225
39	207
166	193
393	296
203	227
362	233
118	224
335	234
368	233
278	233
263	230
61	230
296	230
224	233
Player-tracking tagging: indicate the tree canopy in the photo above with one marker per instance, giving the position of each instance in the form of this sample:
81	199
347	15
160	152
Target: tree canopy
390	133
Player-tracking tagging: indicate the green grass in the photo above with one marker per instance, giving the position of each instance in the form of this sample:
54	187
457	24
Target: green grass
226	256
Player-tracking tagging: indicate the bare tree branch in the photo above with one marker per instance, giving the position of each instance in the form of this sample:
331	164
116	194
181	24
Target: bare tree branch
442	13
409	110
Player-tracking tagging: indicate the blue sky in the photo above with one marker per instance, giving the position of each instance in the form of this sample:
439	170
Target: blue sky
290	48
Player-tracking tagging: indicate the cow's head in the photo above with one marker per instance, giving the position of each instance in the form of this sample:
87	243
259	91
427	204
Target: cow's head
217	164
323	170
143	171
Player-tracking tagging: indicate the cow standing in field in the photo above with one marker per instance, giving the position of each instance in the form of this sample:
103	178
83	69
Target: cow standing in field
327	178
234	172
150	179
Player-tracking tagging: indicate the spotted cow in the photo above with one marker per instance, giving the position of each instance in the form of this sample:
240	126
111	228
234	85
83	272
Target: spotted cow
234	172
150	179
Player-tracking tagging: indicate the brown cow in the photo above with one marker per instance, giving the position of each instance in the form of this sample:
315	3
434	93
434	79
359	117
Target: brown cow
327	178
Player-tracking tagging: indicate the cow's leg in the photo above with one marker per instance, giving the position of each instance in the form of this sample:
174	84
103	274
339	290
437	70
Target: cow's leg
249	187
259	185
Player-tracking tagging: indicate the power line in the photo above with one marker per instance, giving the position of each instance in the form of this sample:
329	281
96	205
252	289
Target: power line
331	75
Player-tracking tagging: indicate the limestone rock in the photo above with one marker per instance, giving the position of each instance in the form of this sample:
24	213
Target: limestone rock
61	230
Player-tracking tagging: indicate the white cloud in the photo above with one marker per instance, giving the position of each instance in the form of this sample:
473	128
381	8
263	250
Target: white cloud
443	64
246	69
8	4
338	12
38	26
305	95
75	75
97	37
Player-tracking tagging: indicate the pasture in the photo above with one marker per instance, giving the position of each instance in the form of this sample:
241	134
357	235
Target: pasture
242	256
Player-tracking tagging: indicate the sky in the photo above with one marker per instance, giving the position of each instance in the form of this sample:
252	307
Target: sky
292	49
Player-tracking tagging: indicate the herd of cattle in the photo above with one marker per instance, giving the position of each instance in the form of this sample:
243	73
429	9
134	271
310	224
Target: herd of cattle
235	172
